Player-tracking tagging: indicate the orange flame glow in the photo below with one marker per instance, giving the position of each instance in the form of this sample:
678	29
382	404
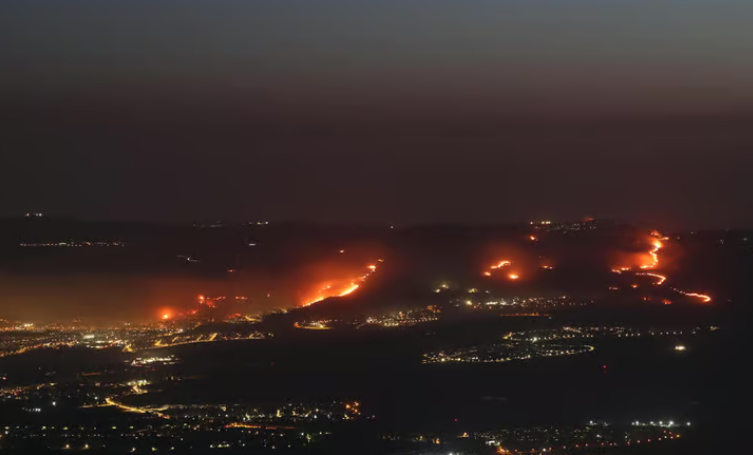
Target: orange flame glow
661	278
340	289
704	298
657	244
497	266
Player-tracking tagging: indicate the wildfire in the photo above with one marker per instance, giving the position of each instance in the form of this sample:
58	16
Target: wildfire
341	289
209	302
704	298
350	290
497	266
656	245
501	264
661	278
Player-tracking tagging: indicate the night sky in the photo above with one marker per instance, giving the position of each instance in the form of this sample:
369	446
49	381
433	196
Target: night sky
395	111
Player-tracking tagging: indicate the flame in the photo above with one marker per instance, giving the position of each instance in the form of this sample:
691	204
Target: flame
656	245
350	290
661	278
340	289
209	302
704	298
497	266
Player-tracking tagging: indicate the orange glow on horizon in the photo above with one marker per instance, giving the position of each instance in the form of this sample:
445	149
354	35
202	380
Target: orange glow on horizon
513	276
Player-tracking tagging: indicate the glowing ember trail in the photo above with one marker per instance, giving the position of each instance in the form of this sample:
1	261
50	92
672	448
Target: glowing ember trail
501	264
704	298
341	289
497	266
656	245
661	278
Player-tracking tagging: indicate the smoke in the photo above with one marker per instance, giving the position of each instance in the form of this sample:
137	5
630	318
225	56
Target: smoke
115	297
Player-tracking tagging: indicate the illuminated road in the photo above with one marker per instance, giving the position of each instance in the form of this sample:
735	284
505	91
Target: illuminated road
49	345
136	410
316	326
211	338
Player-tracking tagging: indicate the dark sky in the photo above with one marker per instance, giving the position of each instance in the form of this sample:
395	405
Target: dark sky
401	111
